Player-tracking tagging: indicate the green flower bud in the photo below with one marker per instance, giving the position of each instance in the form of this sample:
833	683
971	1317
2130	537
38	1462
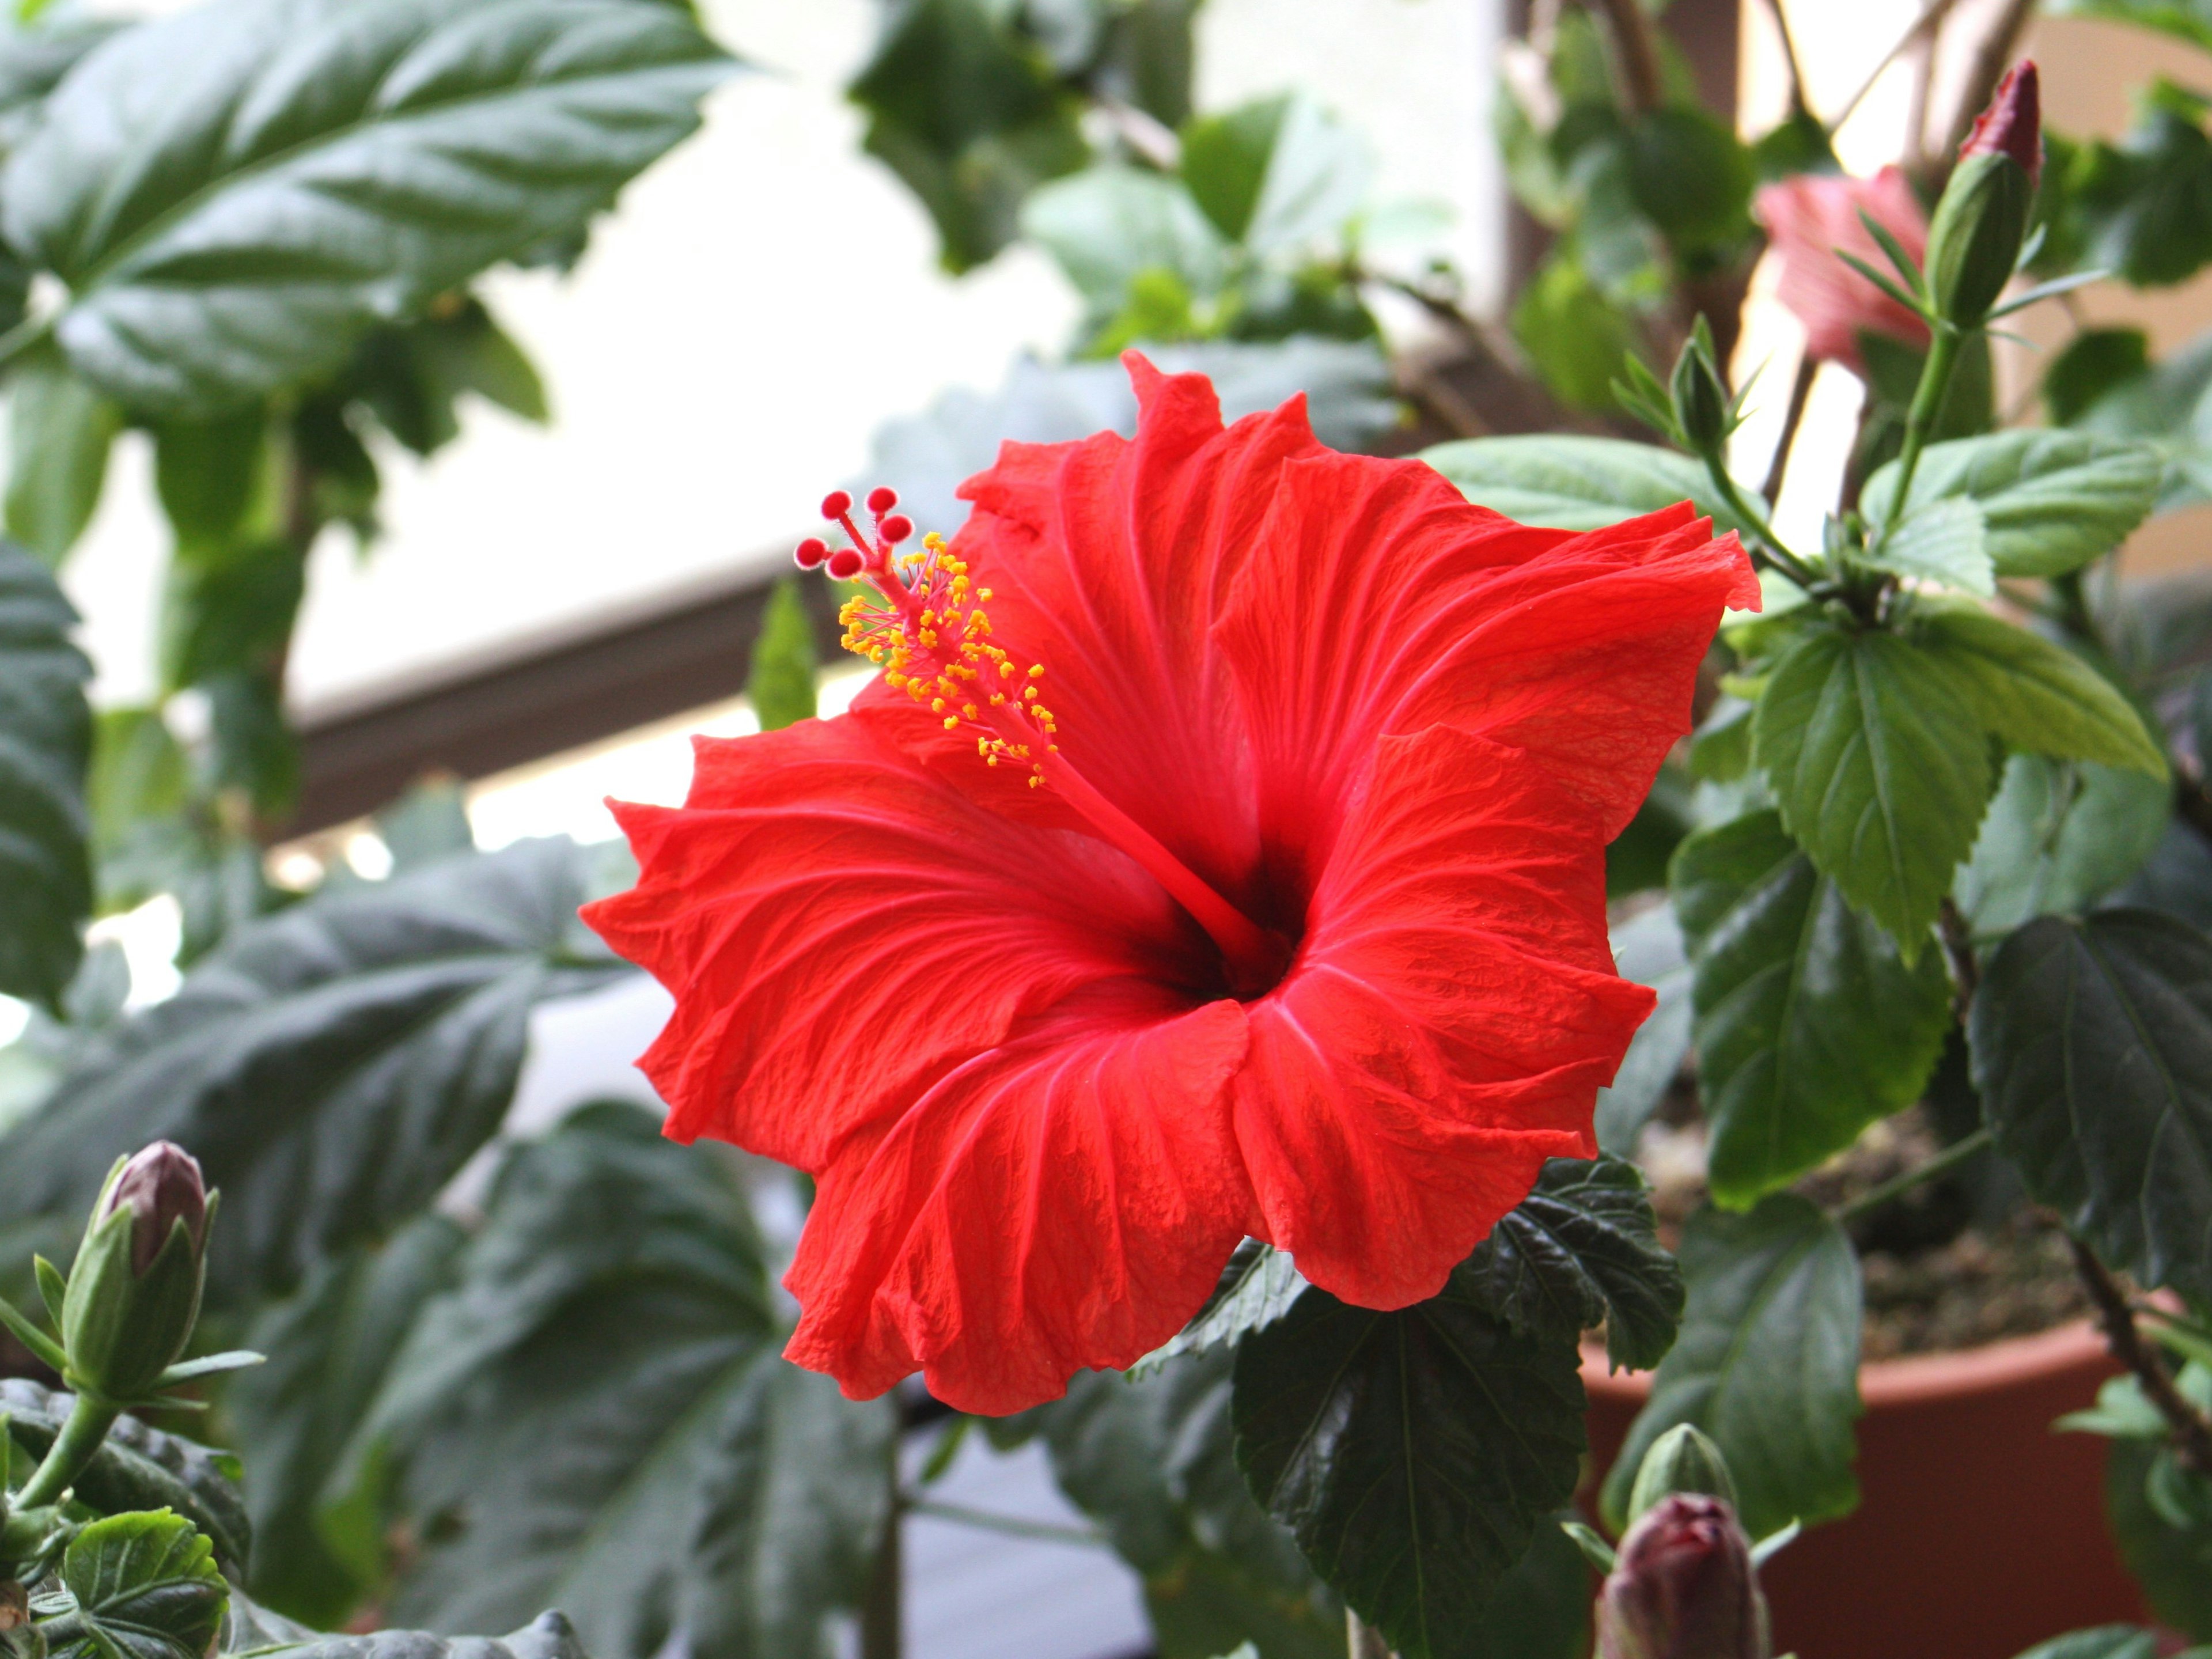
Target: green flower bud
1702	406
1975	238
134	1293
1681	1460
1684	1587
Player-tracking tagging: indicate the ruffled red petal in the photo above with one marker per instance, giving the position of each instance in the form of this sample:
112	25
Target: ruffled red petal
1066	1200
1446	1027
838	926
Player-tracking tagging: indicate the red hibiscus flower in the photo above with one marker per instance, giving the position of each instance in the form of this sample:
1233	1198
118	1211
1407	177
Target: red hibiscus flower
1287	920
1810	218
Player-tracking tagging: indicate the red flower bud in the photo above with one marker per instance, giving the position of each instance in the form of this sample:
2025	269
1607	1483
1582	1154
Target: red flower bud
160	1185
1684	1587
2013	124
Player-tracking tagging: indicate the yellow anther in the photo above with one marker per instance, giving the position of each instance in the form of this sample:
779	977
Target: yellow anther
951	722
1036	671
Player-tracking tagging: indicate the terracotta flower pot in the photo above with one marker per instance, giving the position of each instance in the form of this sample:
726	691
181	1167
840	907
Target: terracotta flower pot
1979	1532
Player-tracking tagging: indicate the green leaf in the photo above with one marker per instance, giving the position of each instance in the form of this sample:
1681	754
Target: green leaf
2106	1642
2051	502
413	377
1569	482
2059	835
139	1468
1767	1364
1225	160
1108	224
2091	1044
1650	951
2173	1565
2169	409
331	1067
328	166
45	747
146	1587
1879	768
429	823
549	1636
1312	178
2034	694
1258	1287
2186	20
2095	362
2137	208
59	431
1580	1250
621	1436
1414	1455
322	1545
1576	336
1943	541
1692	177
1809	1024
780	681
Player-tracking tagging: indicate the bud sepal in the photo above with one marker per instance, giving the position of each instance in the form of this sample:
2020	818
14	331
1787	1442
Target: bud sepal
1979	228
133	1294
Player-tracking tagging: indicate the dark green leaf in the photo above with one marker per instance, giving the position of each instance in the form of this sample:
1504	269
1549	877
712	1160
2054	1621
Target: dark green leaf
1258	1287
1572	483
215	481
2096	362
329	1347
145	1586
2051	502
1880	767
232	613
780	681
1541	1609
1315	179
45	744
2092	1049
1225	160
325	167
1767	1364
2173	1565
2168	409
1577	337
1647	949
430	822
549	1636
2034	694
1414	1455
1692	177
332	1067
597	1417
139	1468
414	377
1809	1025
1580	1250
2059	835
2143	208
59	431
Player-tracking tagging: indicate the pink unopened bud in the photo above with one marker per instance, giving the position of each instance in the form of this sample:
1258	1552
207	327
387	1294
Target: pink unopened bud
1683	1587
160	1185
2013	124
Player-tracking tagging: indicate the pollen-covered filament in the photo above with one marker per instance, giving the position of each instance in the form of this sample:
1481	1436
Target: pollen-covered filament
927	631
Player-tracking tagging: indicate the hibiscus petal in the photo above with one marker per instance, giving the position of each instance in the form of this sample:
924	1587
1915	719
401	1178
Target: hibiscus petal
837	926
1378	600
1446	1027
1108	561
1064	1201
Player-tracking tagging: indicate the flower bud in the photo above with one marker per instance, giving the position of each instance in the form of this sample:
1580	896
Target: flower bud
1684	1587
1701	400
134	1293
1684	1459
1975	237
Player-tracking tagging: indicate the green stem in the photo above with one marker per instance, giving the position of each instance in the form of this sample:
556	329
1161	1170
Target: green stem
1950	1158
1769	544
89	1420
1943	347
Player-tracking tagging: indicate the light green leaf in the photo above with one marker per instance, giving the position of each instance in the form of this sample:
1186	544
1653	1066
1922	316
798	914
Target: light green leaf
781	680
2034	694
45	744
1767	1364
2186	20
2169	409
2050	500
1569	482
1106	224
2059	835
59	431
2106	1642
145	1586
326	165
1880	767
1809	1024
1647	949
1943	541
549	1636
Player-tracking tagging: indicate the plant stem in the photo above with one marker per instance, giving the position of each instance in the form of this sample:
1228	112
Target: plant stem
82	1436
1770	548
1958	952
1013	1526
1943	344
1636	54
1800	391
2192	1431
1363	1641
883	1611
1950	1158
1926	23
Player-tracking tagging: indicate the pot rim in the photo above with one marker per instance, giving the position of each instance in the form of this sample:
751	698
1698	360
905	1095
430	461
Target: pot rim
2010	1362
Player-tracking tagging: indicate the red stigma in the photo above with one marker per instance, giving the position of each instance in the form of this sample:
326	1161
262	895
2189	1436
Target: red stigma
845	564
882	499
811	551
895	529
837	504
